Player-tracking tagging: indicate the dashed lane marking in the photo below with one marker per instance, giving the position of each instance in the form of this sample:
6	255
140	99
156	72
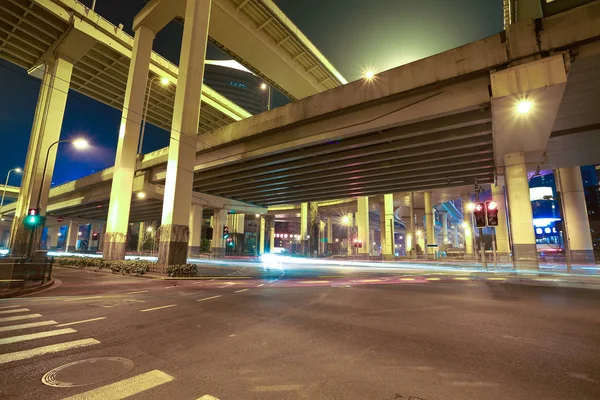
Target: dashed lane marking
82	321
39	351
14	311
159	308
83	298
208	397
19	317
5	307
241	290
126	387
138	292
33	336
209	298
276	388
26	326
261	285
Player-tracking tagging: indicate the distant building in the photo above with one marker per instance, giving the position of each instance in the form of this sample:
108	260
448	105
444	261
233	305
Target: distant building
241	87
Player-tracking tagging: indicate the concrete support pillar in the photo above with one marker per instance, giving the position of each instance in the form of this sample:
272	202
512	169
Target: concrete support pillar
429	225
501	231
272	235
47	124
362	222
102	236
349	227
575	219
195	222
521	216
445	238
93	244
122	184
322	238
410	234
184	136
141	237
329	235
313	227
53	242
218	243
386	217
71	242
261	237
455	231
467	225
303	226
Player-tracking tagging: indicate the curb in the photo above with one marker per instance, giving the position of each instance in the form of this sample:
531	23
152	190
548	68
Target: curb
28	290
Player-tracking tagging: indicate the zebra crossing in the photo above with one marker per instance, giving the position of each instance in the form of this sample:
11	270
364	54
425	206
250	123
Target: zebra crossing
16	328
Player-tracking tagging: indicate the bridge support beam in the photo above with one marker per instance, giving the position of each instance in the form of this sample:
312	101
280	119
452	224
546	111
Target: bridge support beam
445	239
467	228
386	217
303	227
117	223
329	235
262	236
272	235
73	232
430	227
575	221
362	222
196	220
53	242
502	243
218	243
47	124
184	135
521	215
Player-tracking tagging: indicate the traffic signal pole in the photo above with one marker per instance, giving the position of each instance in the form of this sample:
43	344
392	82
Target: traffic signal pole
481	243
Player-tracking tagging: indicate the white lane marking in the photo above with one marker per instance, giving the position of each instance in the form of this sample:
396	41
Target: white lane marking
210	298
39	351
208	397
159	308
84	298
18	317
242	290
126	387
135	301
261	285
5	307
14	311
25	326
139	291
82	321
276	388
39	335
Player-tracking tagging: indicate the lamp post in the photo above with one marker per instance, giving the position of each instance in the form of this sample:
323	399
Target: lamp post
163	82
263	87
17	170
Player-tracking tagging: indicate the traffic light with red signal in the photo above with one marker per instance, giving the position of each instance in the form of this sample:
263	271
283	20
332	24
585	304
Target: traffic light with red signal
479	214
95	236
491	210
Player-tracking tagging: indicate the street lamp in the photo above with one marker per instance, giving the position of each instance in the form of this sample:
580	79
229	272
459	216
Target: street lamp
79	144
263	87
141	195
524	106
18	171
369	75
163	82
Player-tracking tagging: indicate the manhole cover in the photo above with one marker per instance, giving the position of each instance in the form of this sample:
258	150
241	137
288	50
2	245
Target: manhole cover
87	372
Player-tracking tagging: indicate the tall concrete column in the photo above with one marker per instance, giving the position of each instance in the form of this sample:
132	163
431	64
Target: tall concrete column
313	227
521	215
575	220
141	237
349	227
303	226
362	221
72	234
272	235
386	216
53	242
501	231
429	228
322	238
410	235
261	237
47	124
329	235
195	222
184	135
467	228
456	245
117	222
445	238
218	243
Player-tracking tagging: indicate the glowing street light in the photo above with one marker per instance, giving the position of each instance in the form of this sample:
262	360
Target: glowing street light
149	229
164	81
265	87
345	220
369	75
419	233
524	106
470	206
141	195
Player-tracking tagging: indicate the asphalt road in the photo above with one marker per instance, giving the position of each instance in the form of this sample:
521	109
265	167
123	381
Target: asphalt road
247	334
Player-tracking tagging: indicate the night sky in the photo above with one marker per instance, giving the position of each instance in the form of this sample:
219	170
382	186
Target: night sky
354	35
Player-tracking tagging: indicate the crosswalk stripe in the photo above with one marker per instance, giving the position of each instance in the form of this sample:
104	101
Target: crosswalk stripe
39	335
14	311
40	351
18	317
208	397
5	307
126	387
25	326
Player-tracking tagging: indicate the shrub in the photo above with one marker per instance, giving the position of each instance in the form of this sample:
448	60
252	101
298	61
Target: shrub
182	270
137	267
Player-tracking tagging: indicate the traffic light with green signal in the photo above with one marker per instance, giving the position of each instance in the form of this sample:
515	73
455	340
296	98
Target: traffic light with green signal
33	218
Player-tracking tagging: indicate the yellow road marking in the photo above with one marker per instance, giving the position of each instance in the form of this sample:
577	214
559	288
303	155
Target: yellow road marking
84	298
39	335
208	397
261	285
461	278
139	291
311	282
39	351
19	317
370	280
242	290
496	279
159	308
5	307
25	326
126	387
407	279
14	311
81	322
209	298
433	279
